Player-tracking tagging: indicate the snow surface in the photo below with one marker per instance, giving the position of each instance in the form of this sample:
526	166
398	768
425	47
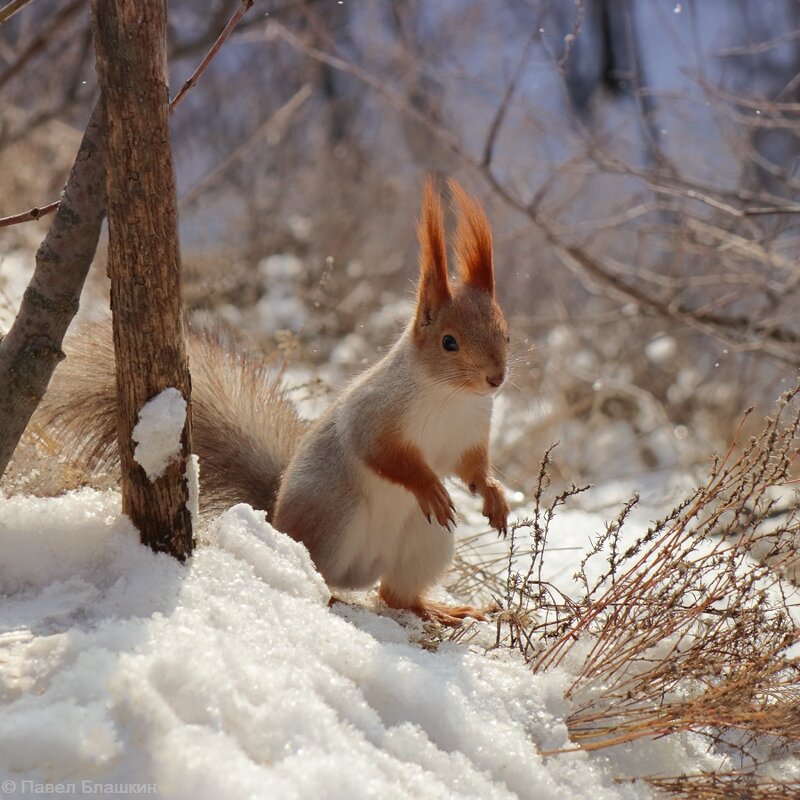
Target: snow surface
231	677
158	432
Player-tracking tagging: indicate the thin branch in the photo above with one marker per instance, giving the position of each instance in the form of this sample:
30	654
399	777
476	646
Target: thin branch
275	122
739	331
40	41
497	122
27	216
759	47
276	30
199	43
245	5
31	349
8	10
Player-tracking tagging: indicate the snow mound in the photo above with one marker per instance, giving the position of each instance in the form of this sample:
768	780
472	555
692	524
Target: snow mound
158	430
230	676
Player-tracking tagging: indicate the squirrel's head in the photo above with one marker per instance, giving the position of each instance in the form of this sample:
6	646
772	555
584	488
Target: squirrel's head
460	332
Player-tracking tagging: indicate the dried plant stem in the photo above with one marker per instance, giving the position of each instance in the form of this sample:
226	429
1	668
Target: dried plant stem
726	786
691	626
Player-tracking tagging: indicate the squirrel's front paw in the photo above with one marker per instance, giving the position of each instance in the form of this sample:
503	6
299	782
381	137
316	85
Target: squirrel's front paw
495	507
435	500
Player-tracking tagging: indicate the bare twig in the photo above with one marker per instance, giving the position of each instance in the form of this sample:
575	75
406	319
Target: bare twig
741	331
245	5
445	136
686	631
200	42
726	786
759	47
32	348
497	122
39	42
32	214
275	122
8	10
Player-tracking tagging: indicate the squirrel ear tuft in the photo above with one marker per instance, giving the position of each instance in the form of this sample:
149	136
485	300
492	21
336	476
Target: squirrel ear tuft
434	287
473	241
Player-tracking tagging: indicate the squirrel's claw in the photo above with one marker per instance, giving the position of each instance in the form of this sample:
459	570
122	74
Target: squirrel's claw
436	502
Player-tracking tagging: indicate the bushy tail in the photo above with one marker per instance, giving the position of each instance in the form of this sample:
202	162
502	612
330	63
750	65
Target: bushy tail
245	428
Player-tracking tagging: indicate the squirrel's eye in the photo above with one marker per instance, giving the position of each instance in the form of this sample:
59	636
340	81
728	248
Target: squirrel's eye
449	343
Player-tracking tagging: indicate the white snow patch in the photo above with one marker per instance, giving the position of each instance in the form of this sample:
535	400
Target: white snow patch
229	676
158	432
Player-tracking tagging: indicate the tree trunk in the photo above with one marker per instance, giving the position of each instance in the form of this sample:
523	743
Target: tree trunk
143	259
32	348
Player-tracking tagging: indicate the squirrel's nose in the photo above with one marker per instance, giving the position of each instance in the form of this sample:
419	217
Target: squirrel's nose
496	379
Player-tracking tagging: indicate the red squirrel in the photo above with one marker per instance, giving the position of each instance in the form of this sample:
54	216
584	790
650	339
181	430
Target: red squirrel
420	414
362	487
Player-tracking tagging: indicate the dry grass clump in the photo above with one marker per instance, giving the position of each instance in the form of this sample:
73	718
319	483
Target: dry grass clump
728	786
691	627
41	467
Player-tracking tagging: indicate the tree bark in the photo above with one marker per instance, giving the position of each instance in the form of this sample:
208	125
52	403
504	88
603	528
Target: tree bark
32	348
143	258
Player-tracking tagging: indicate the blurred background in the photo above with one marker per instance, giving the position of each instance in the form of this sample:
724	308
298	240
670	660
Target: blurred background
638	162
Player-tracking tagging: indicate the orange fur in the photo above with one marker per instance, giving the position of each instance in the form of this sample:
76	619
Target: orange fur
473	469
400	462
434	286
473	241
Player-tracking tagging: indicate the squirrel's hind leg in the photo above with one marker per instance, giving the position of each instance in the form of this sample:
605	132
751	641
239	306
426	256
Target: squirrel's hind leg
423	554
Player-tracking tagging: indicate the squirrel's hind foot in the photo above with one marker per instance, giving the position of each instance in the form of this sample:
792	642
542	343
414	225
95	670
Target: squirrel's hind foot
440	613
443	614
